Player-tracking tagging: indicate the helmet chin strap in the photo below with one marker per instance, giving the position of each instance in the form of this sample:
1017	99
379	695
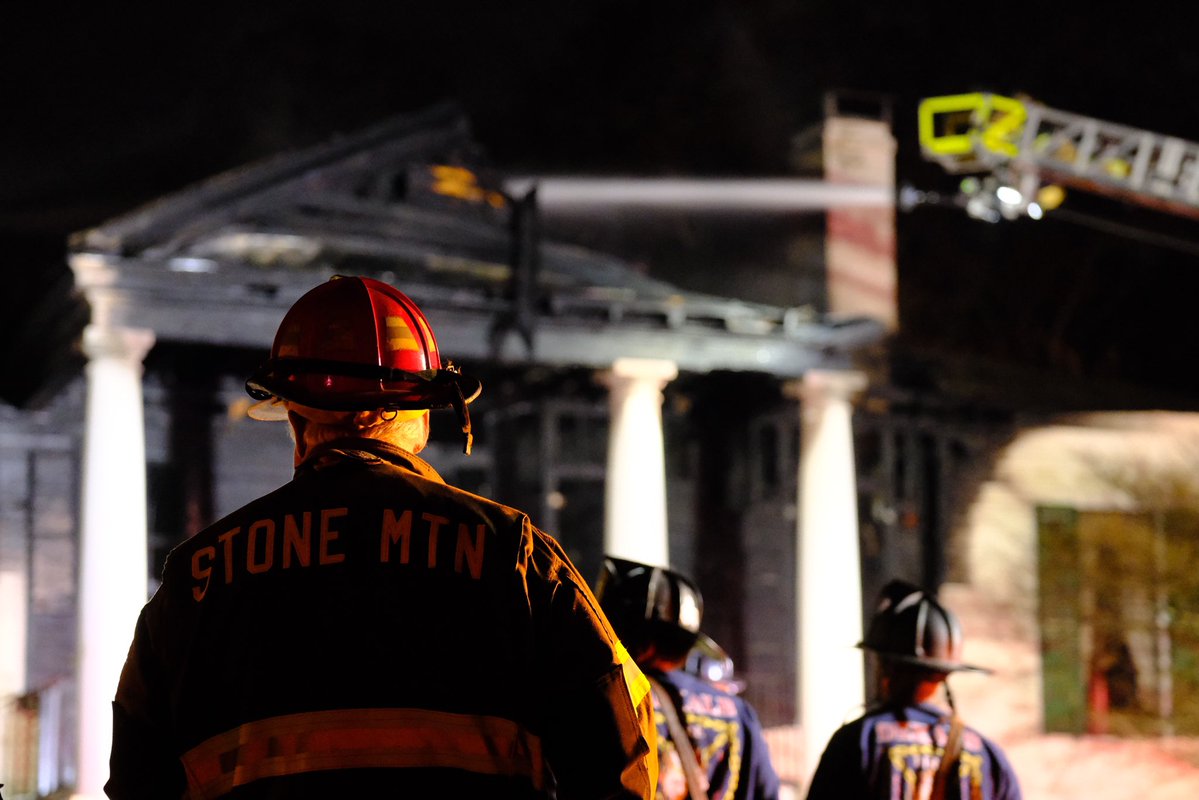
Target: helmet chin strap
297	424
460	408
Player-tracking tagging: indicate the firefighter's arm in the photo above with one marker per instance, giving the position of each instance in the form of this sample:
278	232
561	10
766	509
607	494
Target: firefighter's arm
600	739
143	763
601	745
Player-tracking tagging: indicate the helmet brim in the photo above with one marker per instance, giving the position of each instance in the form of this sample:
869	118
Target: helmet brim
272	409
934	664
279	379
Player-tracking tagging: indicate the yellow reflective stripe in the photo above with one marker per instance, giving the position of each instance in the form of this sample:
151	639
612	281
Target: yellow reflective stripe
633	677
362	738
399	335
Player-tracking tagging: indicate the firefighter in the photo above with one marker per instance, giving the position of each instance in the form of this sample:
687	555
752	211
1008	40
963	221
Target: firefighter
710	742
905	747
367	629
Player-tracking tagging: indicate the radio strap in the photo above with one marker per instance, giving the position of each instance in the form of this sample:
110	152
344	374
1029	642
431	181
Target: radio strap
682	742
949	759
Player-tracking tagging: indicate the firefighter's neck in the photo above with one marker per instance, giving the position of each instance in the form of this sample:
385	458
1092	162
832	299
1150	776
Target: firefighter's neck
652	659
905	688
307	432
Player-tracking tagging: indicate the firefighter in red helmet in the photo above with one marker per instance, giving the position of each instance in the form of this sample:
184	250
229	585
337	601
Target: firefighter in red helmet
906	747
367	629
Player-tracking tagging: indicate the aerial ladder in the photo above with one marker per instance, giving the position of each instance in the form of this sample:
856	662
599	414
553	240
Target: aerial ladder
1019	156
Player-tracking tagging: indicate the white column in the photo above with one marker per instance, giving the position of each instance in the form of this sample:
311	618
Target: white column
14	615
113	566
13	591
829	594
635	485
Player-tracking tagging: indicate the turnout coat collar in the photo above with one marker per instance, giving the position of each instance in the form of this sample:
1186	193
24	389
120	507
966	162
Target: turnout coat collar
366	450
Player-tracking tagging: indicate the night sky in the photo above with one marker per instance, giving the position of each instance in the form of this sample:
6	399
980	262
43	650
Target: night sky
107	109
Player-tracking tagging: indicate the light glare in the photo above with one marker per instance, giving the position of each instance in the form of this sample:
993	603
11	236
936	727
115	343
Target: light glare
1009	195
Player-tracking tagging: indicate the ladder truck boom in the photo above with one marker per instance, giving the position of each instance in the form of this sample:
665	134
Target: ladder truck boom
1027	146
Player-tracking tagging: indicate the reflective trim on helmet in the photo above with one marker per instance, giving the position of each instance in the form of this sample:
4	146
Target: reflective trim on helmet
399	335
368	738
921	623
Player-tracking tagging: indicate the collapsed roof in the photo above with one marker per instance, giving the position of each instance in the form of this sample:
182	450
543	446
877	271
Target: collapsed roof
406	201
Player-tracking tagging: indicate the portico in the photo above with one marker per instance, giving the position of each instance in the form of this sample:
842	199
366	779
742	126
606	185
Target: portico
218	265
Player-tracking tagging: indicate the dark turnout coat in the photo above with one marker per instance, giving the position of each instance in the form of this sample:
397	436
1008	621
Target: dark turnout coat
367	627
893	753
724	734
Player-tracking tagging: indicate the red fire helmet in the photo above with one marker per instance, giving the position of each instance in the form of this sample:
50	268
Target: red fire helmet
355	343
